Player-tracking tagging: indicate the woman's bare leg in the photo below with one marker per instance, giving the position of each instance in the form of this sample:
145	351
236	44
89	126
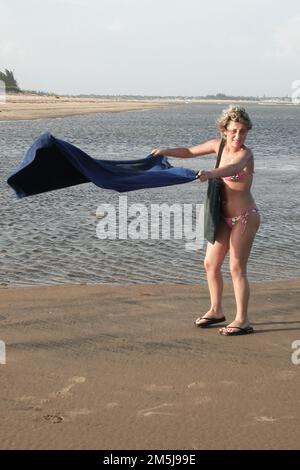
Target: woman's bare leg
215	254
240	248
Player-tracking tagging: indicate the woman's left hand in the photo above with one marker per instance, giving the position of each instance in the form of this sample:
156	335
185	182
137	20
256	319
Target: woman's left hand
203	175
156	152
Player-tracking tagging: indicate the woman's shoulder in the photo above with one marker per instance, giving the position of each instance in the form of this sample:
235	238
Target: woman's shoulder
250	158
215	143
248	151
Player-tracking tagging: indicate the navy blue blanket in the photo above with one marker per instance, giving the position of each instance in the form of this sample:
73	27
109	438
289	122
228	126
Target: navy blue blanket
52	163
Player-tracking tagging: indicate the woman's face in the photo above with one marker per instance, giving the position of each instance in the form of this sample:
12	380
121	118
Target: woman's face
236	133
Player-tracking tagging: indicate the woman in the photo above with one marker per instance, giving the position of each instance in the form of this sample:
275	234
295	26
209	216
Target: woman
240	217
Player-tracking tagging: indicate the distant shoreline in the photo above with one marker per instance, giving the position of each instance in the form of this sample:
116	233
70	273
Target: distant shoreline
33	106
28	106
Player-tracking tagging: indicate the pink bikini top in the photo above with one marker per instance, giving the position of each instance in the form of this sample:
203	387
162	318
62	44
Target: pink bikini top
240	176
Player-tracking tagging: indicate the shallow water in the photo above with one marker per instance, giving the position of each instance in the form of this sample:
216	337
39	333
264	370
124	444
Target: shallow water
51	238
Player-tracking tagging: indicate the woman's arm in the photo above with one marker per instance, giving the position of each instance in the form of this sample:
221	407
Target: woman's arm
206	148
226	170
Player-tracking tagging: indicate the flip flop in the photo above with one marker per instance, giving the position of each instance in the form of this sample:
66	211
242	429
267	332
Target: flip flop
209	321
241	331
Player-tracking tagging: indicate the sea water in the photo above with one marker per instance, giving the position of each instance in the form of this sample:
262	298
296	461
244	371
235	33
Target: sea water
51	238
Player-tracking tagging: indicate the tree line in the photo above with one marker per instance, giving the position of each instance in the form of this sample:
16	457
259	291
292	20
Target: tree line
11	84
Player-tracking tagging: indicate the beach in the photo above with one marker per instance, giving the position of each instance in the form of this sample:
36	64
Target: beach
30	106
112	366
122	367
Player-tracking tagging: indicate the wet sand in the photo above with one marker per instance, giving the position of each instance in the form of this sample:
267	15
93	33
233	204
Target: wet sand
123	367
26	106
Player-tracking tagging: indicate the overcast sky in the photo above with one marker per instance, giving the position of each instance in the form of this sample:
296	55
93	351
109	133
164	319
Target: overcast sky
152	47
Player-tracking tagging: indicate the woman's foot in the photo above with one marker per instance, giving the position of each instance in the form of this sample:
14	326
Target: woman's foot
210	318
236	328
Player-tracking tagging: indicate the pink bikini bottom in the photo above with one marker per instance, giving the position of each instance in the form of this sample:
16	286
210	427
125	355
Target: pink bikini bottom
243	218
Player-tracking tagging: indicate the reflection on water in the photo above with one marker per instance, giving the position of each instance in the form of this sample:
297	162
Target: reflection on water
51	238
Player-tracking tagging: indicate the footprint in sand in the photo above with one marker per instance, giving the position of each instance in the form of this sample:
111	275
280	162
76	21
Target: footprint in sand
29	402
35	403
53	419
68	416
32	402
265	419
202	400
228	382
76	413
286	375
158	388
154	411
109	406
196	385
64	392
271	419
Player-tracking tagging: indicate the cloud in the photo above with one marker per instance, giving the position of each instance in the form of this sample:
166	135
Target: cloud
9	49
79	3
287	40
114	26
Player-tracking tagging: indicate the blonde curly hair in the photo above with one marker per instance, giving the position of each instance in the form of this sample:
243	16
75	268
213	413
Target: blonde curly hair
236	114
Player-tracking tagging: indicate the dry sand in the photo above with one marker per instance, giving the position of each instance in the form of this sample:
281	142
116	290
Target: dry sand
123	367
20	107
31	106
